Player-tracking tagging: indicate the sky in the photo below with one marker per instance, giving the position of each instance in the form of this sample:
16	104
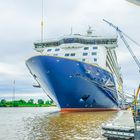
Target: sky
20	28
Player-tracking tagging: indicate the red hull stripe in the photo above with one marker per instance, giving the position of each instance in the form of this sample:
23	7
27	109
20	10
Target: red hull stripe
88	109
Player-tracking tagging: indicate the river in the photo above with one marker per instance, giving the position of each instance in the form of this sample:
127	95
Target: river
47	124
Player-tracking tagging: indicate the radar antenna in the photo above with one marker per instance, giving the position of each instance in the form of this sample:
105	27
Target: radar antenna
89	31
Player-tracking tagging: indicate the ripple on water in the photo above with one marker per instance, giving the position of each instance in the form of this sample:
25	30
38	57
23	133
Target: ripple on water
68	126
41	124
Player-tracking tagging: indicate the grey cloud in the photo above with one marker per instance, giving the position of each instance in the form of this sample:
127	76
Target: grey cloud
20	27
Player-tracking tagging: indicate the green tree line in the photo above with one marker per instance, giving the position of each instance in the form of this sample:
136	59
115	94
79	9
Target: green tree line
23	103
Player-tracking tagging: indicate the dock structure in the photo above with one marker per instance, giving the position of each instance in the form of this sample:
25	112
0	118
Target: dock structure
137	135
137	120
122	127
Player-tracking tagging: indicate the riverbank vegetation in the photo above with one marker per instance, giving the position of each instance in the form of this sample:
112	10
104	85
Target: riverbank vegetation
23	103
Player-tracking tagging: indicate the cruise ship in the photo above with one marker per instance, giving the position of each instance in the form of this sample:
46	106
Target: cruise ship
79	72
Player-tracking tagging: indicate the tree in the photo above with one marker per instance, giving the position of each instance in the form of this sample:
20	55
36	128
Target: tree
3	102
40	101
15	103
1	105
47	102
31	101
51	102
22	101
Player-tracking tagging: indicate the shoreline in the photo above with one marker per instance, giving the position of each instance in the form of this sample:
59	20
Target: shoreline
25	106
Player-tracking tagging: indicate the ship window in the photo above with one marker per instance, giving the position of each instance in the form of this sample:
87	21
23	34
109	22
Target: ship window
67	54
49	50
94	48
55	54
95	59
72	54
57	49
86	48
69	40
83	60
85	54
94	53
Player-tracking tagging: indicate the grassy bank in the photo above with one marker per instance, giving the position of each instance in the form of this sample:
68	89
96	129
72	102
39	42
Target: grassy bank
23	103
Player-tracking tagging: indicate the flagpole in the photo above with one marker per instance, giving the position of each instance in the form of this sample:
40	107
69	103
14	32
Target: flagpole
13	92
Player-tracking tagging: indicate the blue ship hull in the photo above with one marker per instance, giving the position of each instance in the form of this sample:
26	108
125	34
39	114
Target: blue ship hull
74	85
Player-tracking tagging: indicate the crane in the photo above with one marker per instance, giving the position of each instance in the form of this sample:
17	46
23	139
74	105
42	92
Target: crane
136	96
122	34
135	102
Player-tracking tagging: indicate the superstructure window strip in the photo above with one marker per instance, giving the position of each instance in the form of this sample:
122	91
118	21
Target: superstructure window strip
72	54
67	54
76	40
85	54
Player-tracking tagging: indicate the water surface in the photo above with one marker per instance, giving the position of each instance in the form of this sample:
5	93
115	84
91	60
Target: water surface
46	124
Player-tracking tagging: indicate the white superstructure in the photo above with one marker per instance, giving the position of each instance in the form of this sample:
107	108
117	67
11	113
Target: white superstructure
96	50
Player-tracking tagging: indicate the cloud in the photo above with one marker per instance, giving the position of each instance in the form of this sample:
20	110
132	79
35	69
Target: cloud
25	96
20	27
8	69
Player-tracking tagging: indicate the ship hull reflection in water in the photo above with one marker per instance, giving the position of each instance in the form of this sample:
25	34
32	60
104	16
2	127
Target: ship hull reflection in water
69	126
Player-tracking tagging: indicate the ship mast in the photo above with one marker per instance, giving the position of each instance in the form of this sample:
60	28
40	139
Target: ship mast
42	31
